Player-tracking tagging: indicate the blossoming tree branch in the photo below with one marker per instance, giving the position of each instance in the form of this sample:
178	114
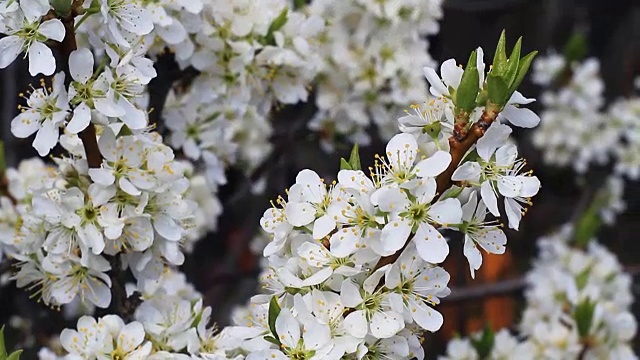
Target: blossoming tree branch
352	264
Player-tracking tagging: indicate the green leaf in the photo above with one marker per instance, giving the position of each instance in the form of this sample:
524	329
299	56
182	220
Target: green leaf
484	344
500	57
276	25
125	131
344	164
61	7
588	225
433	130
354	158
274	311
576	47
514	60
523	68
272	340
498	90
583	315
298	4
471	156
15	355
583	278
3	349
452	192
468	89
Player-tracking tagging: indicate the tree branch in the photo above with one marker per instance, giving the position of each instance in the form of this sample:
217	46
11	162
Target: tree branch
88	135
459	144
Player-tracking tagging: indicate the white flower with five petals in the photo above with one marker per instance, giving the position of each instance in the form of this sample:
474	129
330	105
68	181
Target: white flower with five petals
45	112
497	171
413	212
27	33
479	232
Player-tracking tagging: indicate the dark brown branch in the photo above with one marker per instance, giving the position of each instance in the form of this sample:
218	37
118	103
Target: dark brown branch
4	189
88	135
503	287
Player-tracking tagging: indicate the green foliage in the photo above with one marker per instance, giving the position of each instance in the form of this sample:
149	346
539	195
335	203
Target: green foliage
590	220
433	130
3	350
298	4
274	311
576	48
484	344
276	25
465	98
61	7
583	314
354	160
523	68
583	278
507	73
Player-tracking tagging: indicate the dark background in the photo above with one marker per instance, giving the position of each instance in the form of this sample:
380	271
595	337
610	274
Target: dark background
222	266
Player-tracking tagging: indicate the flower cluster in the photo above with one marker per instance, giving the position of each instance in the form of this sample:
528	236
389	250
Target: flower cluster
119	201
576	131
352	265
578	307
371	53
501	345
249	55
170	323
578	300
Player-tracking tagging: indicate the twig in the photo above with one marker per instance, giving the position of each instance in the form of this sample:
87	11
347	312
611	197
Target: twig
459	144
485	290
502	288
88	135
4	188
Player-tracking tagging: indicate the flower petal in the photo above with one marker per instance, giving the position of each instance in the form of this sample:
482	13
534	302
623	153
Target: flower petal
434	165
46	138
437	86
356	324
426	317
518	98
494	137
451	73
41	59
394	235
10	48
81	65
520	116
402	150
25	124
300	214
489	198
386	324
52	29
509	186
80	120
431	245
469	171
473	255
288	328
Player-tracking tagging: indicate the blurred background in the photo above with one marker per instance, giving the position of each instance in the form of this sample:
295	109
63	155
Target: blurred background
223	266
